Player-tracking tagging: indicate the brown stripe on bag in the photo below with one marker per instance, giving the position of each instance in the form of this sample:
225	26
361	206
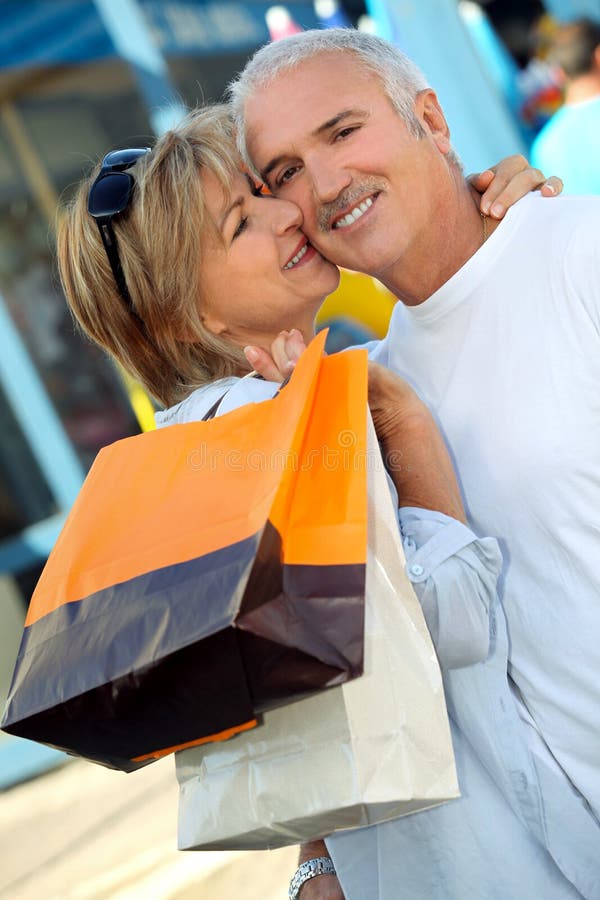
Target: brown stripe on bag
129	624
171	702
318	610
298	646
278	674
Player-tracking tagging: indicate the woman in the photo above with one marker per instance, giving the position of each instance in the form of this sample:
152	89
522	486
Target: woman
174	262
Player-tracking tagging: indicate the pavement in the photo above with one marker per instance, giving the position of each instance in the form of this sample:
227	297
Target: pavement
82	832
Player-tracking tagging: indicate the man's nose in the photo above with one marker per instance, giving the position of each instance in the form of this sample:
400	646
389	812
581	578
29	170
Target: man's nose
328	181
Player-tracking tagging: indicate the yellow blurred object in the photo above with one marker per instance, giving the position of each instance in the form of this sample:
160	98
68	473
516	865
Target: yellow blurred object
543	32
140	401
361	298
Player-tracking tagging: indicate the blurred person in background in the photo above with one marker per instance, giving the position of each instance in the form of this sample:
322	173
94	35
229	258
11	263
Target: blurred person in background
570	142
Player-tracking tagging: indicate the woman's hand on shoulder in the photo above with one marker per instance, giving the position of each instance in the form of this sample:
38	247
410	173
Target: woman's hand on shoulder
278	362
502	185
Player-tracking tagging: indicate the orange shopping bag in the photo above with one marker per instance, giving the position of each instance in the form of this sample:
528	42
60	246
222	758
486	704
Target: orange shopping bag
207	572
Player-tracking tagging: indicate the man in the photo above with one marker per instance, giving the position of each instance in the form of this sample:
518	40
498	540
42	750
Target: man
570	141
500	338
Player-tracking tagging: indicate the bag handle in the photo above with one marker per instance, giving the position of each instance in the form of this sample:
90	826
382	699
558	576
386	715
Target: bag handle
212	412
214	408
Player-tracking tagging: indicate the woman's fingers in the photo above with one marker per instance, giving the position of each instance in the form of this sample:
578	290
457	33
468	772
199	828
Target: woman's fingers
262	362
481	180
285	352
295	345
552	186
502	185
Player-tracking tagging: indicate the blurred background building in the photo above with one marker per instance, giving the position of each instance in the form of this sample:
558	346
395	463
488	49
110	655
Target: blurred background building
79	77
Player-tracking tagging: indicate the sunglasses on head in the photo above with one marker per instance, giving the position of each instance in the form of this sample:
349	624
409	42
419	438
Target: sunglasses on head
109	196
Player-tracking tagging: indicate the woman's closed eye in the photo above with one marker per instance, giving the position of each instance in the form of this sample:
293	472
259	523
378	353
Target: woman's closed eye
257	191
241	227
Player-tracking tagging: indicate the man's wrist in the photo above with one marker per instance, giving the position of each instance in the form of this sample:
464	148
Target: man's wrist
311	868
312	849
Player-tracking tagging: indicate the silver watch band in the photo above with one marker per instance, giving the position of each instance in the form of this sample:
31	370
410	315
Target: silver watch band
320	865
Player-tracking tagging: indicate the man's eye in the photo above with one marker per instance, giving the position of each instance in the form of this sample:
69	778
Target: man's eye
345	132
287	175
241	227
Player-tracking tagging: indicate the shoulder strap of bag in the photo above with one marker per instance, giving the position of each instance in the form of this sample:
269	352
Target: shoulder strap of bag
214	408
212	412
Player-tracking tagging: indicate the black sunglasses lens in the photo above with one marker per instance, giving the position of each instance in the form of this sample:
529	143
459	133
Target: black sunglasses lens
122	159
110	194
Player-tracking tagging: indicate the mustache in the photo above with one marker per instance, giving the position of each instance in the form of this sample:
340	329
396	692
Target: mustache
345	200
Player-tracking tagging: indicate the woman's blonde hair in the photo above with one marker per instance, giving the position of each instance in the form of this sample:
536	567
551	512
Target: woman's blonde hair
162	341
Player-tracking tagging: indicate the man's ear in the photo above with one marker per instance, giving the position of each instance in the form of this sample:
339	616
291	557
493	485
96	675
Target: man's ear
429	112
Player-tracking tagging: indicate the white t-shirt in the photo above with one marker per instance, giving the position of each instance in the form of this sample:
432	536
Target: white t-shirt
507	356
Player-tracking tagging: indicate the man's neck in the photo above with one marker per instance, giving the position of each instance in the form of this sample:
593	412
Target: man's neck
586	87
455	236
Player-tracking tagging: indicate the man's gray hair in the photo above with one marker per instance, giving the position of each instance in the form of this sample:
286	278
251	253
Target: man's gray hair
400	78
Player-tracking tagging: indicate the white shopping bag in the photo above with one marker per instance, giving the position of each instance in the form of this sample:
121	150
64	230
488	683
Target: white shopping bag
376	748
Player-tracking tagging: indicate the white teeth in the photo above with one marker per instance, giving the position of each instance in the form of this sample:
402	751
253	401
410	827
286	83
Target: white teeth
354	214
296	259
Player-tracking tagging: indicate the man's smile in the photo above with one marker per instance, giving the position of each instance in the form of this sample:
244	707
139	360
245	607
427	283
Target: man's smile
351	205
355	213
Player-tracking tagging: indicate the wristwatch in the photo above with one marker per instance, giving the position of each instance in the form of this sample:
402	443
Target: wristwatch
320	865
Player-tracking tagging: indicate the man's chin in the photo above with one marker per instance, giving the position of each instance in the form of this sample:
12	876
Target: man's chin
333	252
349	258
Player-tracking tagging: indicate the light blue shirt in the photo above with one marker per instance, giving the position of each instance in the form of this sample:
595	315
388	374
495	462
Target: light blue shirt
569	145
519	830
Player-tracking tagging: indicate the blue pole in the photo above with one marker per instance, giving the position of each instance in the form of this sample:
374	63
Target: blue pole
36	415
128	29
482	127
